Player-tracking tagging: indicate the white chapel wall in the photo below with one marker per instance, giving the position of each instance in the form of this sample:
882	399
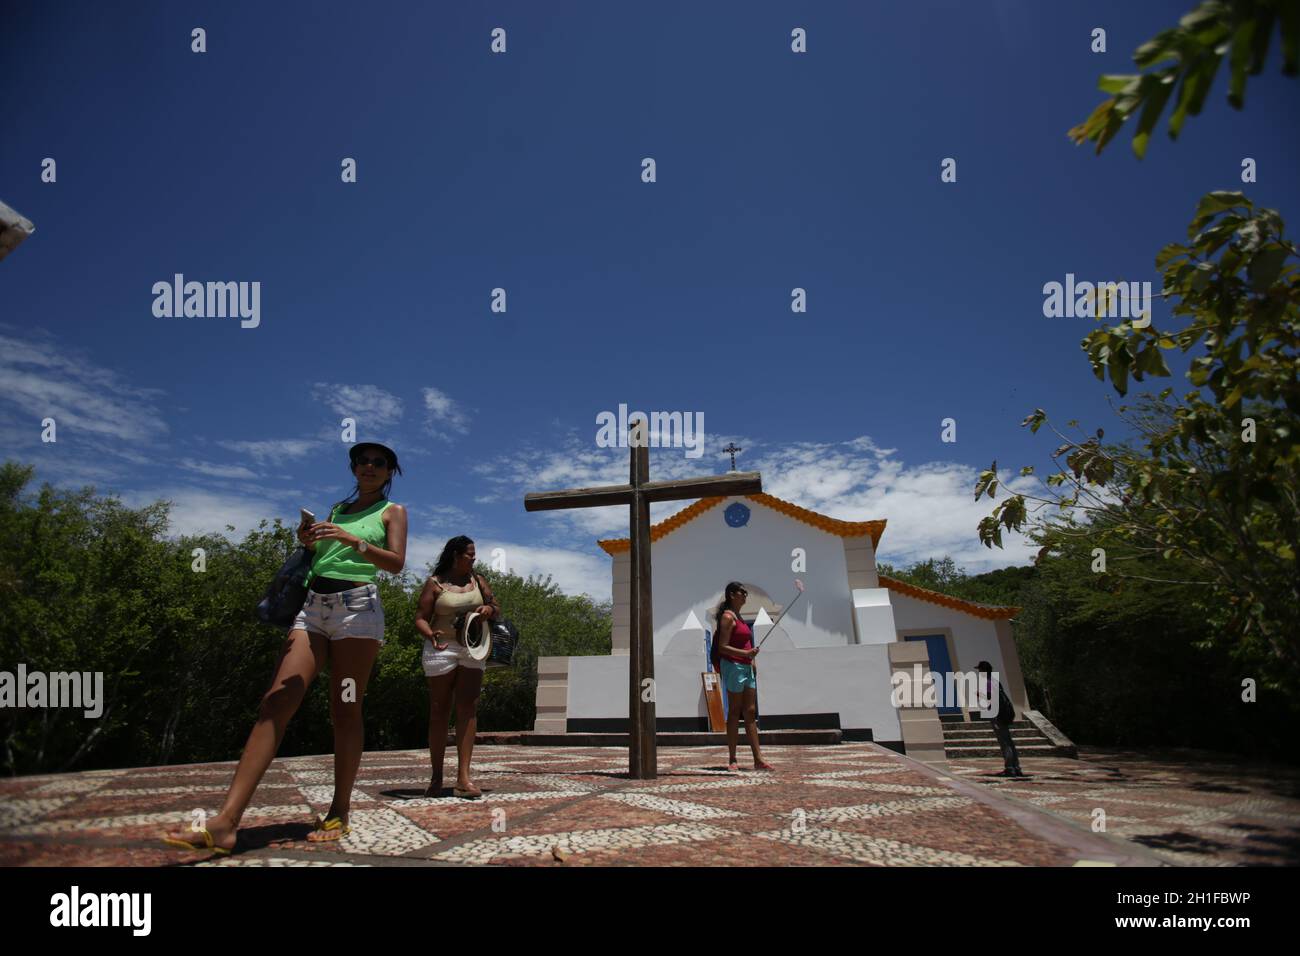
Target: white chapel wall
852	681
692	565
974	639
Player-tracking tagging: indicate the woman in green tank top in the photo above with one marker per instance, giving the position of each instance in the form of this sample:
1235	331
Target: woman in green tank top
342	625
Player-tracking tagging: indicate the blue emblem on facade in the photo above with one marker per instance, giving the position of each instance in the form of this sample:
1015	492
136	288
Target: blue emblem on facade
737	515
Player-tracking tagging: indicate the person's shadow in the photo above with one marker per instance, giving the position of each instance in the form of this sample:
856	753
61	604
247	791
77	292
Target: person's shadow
421	793
259	838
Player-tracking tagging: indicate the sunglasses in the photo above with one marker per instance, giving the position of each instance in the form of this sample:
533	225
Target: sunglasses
377	462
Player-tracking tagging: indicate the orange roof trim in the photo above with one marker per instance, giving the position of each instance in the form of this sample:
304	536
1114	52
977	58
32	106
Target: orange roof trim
986	611
845	529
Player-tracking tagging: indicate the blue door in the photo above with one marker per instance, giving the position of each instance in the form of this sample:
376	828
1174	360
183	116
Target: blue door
941	664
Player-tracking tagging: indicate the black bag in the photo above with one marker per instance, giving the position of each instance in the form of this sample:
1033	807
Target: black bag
288	591
505	636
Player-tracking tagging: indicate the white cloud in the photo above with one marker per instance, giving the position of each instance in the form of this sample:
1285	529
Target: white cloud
273	451
573	571
444	414
42	379
215	471
198	511
370	405
930	507
422	551
450	518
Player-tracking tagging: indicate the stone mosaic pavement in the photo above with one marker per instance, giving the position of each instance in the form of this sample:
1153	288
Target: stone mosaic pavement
833	805
1190	809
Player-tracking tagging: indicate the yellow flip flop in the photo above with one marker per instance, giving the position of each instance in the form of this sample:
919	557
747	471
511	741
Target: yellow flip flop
333	823
208	844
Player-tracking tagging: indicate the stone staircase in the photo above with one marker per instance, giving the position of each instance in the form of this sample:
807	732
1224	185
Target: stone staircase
975	738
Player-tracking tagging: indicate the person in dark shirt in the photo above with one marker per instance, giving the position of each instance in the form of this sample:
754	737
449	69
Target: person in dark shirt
1002	716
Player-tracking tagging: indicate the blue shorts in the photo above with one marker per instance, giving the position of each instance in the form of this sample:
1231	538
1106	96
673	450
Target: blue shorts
736	677
353	613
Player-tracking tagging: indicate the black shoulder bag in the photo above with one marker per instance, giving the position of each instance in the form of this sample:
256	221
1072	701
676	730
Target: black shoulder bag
288	589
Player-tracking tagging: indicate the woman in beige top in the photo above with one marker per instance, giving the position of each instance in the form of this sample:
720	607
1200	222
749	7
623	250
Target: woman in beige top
453	676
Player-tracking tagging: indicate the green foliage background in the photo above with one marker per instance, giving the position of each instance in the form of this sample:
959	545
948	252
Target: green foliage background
88	584
1116	662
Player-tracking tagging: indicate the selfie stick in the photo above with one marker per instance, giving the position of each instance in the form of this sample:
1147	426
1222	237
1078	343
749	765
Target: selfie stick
798	592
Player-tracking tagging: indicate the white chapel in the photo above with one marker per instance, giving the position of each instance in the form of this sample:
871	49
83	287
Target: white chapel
830	663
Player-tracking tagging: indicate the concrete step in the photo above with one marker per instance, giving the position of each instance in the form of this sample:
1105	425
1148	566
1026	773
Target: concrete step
953	726
662	739
980	733
961	751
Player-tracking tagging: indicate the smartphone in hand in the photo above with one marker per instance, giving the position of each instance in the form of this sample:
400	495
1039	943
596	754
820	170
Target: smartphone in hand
308	519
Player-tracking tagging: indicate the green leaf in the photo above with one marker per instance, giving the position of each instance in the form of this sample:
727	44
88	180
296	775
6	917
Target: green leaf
1265	267
1035	420
1264	33
1157	92
1168	253
1204	80
1119	83
1159	48
1290	16
1114	120
1216	202
1191	95
1239	62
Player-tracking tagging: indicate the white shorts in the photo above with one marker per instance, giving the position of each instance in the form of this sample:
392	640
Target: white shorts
356	612
436	663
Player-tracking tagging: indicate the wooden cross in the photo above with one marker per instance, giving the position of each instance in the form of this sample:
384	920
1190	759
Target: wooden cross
638	494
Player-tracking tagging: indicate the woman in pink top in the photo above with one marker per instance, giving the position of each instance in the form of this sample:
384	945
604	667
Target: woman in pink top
735	652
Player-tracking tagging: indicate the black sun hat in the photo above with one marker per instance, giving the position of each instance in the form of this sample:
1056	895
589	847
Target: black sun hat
391	455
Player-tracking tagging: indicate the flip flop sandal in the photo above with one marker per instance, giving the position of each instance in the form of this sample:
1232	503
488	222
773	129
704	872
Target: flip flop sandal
208	844
466	794
333	823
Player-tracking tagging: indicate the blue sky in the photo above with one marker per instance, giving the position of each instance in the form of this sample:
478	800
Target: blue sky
522	171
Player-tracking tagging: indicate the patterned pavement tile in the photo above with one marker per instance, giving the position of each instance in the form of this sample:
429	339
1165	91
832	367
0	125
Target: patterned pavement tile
676	808
149	825
1190	809
844	805
846	774
322	797
69	785
385	833
878	787
537	848
531	800
863	811
875	850
274	861
756	780
14	813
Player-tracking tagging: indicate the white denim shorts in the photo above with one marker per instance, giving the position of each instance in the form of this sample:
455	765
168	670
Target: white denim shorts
437	663
356	612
